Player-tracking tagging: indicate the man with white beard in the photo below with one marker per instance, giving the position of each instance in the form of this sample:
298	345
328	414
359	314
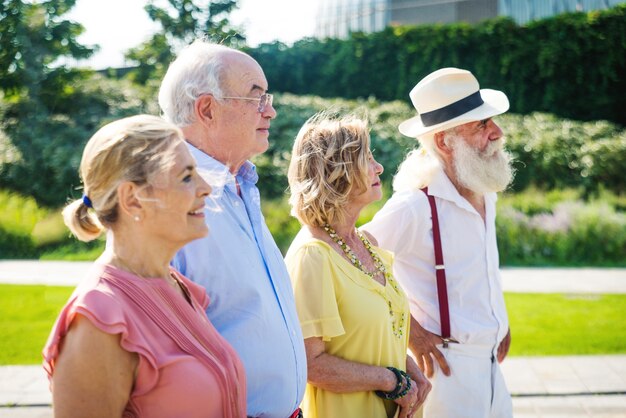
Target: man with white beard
443	208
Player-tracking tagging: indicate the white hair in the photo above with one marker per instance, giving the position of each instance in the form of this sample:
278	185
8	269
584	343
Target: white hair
198	69
417	169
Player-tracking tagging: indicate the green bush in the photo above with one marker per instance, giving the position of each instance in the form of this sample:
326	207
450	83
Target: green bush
550	152
39	156
560	229
559	153
18	217
557	228
568	65
534	228
40	150
30	231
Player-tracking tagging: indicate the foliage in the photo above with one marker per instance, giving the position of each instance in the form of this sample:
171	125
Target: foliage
18	217
47	110
73	250
534	228
282	226
541	323
182	21
46	147
549	152
19	214
27	314
572	233
557	228
30	231
569	65
559	153
33	36
35	87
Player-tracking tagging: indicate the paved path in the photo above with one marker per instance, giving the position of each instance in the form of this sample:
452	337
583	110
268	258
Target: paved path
58	273
524	280
571	386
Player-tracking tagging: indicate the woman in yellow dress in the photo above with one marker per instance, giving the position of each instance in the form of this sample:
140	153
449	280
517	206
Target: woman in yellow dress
354	316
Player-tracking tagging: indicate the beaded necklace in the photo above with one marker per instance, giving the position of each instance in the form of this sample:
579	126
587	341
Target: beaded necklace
379	268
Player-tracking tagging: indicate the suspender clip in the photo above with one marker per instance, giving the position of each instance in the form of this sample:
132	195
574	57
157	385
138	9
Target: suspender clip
447	341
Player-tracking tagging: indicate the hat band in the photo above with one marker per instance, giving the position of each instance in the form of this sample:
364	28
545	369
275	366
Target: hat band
453	110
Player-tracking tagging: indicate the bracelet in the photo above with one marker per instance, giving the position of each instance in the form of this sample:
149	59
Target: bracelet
406	389
403	385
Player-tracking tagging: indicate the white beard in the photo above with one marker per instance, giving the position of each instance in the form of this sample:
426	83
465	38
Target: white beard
481	171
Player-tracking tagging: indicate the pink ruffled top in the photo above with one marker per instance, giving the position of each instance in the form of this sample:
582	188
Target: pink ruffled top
186	369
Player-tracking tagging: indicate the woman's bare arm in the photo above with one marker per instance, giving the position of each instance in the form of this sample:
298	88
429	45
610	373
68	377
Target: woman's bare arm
93	375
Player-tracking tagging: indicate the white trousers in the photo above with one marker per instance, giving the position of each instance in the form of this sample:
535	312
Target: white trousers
474	389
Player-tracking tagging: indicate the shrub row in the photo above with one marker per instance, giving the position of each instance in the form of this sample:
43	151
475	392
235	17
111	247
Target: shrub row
534	228
569	65
30	231
549	152
40	150
40	156
562	227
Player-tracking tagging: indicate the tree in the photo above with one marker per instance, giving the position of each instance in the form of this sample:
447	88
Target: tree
182	22
48	110
33	36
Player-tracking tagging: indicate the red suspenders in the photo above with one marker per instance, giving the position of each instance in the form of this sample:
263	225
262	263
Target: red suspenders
442	291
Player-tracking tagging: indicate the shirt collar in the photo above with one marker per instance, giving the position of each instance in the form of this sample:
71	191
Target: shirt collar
248	173
217	174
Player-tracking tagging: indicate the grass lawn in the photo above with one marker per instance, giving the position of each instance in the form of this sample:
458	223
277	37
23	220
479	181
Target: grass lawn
540	324
556	324
27	314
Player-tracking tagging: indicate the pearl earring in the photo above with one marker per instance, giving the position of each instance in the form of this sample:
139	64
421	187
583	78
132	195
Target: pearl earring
136	218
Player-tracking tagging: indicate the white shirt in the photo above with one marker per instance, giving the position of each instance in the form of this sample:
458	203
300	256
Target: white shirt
477	311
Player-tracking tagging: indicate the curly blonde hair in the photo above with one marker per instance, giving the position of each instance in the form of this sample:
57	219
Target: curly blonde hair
329	164
134	149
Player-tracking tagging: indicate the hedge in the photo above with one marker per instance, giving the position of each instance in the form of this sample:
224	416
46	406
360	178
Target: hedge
550	152
570	65
535	228
40	150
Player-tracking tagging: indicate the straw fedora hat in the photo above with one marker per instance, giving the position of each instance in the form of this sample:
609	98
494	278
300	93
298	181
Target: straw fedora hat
450	97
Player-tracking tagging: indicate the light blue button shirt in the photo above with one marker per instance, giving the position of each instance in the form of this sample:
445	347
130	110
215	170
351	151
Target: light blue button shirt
251	298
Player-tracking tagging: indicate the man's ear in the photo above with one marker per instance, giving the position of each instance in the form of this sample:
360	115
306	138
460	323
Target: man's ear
128	202
204	109
440	143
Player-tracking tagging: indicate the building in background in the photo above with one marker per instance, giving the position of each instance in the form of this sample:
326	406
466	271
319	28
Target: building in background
337	18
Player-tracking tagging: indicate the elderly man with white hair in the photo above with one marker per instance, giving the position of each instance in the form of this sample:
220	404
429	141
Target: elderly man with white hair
218	97
440	223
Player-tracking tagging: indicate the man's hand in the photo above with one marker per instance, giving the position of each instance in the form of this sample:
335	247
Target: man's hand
422	344
503	348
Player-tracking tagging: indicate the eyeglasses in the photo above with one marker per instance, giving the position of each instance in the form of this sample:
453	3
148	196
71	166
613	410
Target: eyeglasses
265	100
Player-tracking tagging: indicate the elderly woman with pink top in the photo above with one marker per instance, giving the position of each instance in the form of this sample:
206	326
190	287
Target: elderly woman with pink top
134	340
